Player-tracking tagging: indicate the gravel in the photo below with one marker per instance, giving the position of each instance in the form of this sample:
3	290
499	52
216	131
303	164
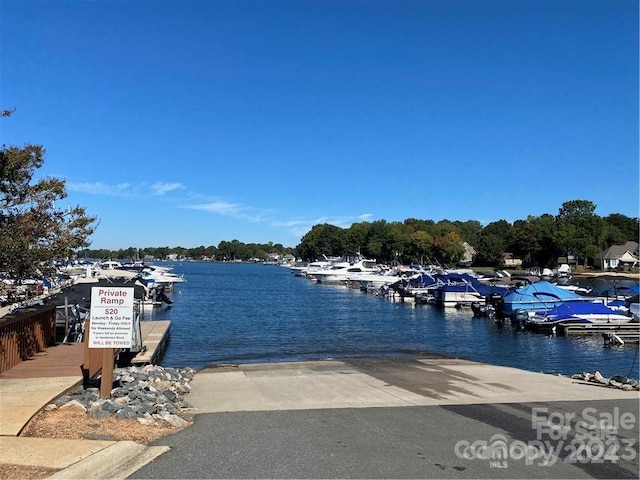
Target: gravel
153	395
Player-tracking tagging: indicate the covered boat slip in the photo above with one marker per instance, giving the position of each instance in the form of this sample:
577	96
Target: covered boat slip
610	284
588	311
548	308
590	314
541	295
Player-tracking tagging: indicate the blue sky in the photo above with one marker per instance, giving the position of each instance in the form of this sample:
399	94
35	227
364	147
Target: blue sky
183	123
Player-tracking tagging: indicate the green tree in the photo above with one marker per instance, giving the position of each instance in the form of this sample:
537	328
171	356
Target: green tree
356	238
448	248
490	251
500	228
398	243
32	231
421	246
533	241
470	231
579	229
377	240
324	239
623	229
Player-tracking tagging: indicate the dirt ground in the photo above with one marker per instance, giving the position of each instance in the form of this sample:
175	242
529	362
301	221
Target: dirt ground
73	423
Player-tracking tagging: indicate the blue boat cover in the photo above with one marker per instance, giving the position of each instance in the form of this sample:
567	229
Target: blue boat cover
538	295
578	308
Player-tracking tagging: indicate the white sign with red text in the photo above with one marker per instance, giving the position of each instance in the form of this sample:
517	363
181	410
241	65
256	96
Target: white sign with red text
111	316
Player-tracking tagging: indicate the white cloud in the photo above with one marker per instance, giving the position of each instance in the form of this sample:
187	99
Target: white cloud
300	227
99	188
220	207
297	223
160	188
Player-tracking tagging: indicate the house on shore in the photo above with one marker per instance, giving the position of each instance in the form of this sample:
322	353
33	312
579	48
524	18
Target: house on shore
510	260
469	254
618	256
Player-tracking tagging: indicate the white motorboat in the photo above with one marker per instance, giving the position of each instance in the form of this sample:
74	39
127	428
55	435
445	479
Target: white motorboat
340	272
383	276
156	275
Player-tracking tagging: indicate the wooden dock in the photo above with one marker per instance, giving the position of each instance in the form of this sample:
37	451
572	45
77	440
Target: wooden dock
620	334
64	360
595	329
155	336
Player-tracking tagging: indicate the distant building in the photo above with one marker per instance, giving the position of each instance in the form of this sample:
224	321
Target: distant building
510	260
618	256
469	254
288	259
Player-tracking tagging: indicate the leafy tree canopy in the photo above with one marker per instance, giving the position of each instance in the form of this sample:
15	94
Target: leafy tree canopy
32	231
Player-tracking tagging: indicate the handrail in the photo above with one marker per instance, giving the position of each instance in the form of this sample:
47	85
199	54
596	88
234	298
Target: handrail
25	333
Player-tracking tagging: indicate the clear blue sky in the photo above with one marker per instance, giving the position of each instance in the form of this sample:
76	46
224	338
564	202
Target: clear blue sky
184	123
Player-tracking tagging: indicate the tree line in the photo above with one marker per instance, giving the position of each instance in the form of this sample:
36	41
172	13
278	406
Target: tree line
234	250
575	231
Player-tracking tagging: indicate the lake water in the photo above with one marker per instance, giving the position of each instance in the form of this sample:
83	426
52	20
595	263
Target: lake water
230	313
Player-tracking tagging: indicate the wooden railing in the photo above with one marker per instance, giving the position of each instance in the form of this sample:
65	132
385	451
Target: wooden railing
32	330
25	333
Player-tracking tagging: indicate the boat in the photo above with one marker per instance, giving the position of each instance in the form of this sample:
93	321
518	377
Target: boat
305	270
153	275
110	265
542	295
154	296
574	313
339	272
463	290
370	282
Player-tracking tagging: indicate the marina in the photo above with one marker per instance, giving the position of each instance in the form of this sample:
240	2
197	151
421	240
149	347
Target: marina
234	313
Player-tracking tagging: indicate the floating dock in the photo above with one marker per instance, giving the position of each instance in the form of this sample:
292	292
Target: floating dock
155	337
613	334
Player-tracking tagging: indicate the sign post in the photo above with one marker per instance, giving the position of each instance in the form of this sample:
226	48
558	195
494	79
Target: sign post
110	327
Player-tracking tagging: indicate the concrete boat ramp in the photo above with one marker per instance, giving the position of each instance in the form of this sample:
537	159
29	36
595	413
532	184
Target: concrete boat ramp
364	383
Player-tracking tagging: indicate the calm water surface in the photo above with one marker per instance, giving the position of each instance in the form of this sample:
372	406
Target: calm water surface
252	313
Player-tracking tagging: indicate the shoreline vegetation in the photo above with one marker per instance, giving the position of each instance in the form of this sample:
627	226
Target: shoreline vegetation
576	235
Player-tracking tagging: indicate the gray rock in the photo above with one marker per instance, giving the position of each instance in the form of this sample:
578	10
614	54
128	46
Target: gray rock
98	413
186	416
175	420
126	412
144	420
614	383
150	393
169	395
62	400
74	403
111	406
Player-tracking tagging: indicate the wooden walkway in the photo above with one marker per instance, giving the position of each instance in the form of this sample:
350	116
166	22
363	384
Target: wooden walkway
61	360
64	360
